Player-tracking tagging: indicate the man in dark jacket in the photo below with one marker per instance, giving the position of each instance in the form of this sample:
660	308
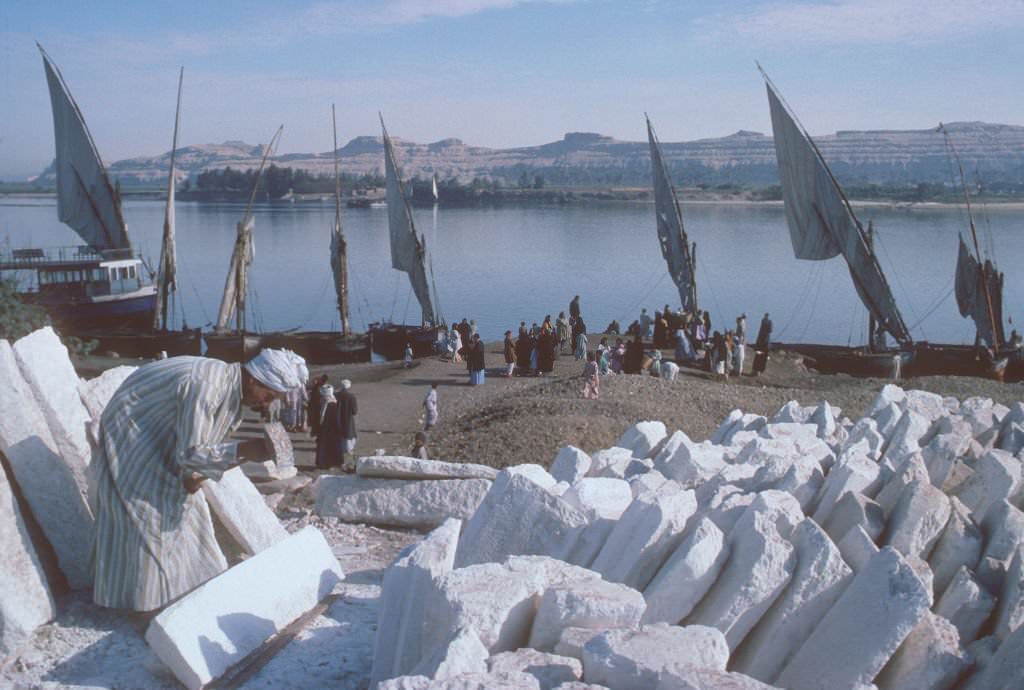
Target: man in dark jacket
347	410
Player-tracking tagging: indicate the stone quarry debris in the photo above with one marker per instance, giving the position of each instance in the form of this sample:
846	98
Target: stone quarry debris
398	502
398	467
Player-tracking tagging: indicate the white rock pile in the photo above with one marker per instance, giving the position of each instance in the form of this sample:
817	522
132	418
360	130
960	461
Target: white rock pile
806	551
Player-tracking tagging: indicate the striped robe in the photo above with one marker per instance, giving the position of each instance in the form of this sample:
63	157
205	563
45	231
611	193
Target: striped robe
154	541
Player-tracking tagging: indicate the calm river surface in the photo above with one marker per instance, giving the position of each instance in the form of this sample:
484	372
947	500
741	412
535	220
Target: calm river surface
503	265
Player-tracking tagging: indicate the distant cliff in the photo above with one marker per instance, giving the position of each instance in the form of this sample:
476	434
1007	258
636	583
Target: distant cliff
880	157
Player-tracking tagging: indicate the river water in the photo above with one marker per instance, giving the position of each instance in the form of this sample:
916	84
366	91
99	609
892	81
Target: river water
506	264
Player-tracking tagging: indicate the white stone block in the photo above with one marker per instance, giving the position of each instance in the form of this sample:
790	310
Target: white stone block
610	462
572	641
865	627
1005	670
400	620
1011	438
978	412
97	392
924	574
820	578
690	463
886	420
25	600
651	481
857	548
696	678
918	520
854	510
462	653
570	465
213	627
792	411
633	659
928	405
761	564
240	507
535	473
853	472
941	454
912	469
931	658
890	394
687	575
464	681
398	467
50	484
726	513
965	604
959	545
791	431
519	517
865	431
905	437
550	670
778	507
642	437
1003	528
268	471
594	605
1011	600
824	417
398	502
645	535
996	477
600	497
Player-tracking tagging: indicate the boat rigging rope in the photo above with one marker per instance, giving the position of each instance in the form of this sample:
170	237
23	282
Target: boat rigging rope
814	304
938	303
644	296
906	295
815	267
314	306
359	291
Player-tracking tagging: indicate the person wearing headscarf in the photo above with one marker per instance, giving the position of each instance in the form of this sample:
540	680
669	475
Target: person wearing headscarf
591	379
580	339
510	355
419	447
329	449
161	435
347	410
546	352
430	408
477	367
564	333
762	345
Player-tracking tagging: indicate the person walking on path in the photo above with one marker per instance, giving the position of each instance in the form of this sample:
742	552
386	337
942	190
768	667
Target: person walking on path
564	333
314	404
348	408
645	324
762	345
591	378
476	362
430	408
580	340
740	345
510	355
330	447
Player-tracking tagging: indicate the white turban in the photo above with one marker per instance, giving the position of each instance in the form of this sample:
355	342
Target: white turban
346	384
278	370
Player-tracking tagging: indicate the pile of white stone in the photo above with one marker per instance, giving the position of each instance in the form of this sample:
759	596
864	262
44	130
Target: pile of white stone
48	420
805	550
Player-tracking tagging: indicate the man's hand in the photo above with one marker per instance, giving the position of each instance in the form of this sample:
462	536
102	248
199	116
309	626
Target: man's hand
193	482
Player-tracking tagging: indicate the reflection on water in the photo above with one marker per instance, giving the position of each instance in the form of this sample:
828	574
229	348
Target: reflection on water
503	265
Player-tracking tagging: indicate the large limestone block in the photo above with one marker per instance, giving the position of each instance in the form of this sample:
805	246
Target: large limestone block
941	454
792	431
696	678
649	481
778	507
931	658
519	517
216	625
550	670
1003	528
572	641
890	394
1011	600
600	497
906	436
745	427
996	478
633	659
857	548
398	502
853	472
535	473
97	392
242	510
792	411
689	463
46	367
595	605
779	464
925	403
462	653
824	417
854	510
268	471
278	439
761	564
610	462
865	432
912	469
731	419
727	512
918	520
687	575
645	535
570	465
400	621
1005	670
49	482
399	467
464	681
821	577
25	600
966	605
959	545
642	437
865	627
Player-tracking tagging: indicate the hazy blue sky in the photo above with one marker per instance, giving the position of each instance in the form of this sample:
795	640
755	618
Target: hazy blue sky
497	72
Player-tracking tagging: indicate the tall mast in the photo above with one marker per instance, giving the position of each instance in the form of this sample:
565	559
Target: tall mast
167	275
339	247
974	239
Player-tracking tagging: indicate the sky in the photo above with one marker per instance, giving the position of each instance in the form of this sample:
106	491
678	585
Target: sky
497	73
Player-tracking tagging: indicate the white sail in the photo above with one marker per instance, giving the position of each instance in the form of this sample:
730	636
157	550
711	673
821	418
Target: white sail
433	187
675	247
167	270
86	200
408	250
821	222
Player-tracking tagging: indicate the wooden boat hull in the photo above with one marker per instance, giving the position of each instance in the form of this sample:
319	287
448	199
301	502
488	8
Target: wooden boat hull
322	347
388	340
931	359
144	344
836	359
232	347
131	311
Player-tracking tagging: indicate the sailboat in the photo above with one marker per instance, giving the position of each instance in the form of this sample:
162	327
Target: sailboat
822	225
330	347
679	254
96	290
408	254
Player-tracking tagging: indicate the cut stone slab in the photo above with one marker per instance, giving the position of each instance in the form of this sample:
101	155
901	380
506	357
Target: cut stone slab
906	436
930	658
959	545
925	403
1011	602
398	467
464	681
1003	528
853	472
966	605
268	471
610	462
398	502
650	529
918	519
633	659
570	465
277	436
240	507
912	469
518	517
651	481
46	368
463	653
820	579
642	437
689	463
550	670
596	605
941	453
761	564
51	486
572	641
400	620
996	477
852	510
857	548
883	603
1005	670
776	506
890	394
687	575
213	627
97	392
600	497
535	473
25	600
695	678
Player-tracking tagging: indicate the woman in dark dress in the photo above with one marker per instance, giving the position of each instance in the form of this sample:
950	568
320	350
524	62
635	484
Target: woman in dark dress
328	436
763	344
545	352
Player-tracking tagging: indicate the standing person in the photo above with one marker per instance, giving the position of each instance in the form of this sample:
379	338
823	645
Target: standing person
645	324
430	408
160	436
456	345
348	408
464	330
659	331
472	327
329	444
477	366
591	378
419	447
684	348
407	358
574	310
580	340
524	347
634	358
564	334
545	352
762	345
313	409
740	345
510	355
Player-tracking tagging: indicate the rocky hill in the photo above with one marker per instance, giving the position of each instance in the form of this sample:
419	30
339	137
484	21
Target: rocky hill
884	157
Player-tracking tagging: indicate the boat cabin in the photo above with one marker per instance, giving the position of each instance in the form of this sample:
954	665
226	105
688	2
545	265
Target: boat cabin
78	271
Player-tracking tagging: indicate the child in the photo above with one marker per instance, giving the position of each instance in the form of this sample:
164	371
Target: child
591	379
408	356
419	447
